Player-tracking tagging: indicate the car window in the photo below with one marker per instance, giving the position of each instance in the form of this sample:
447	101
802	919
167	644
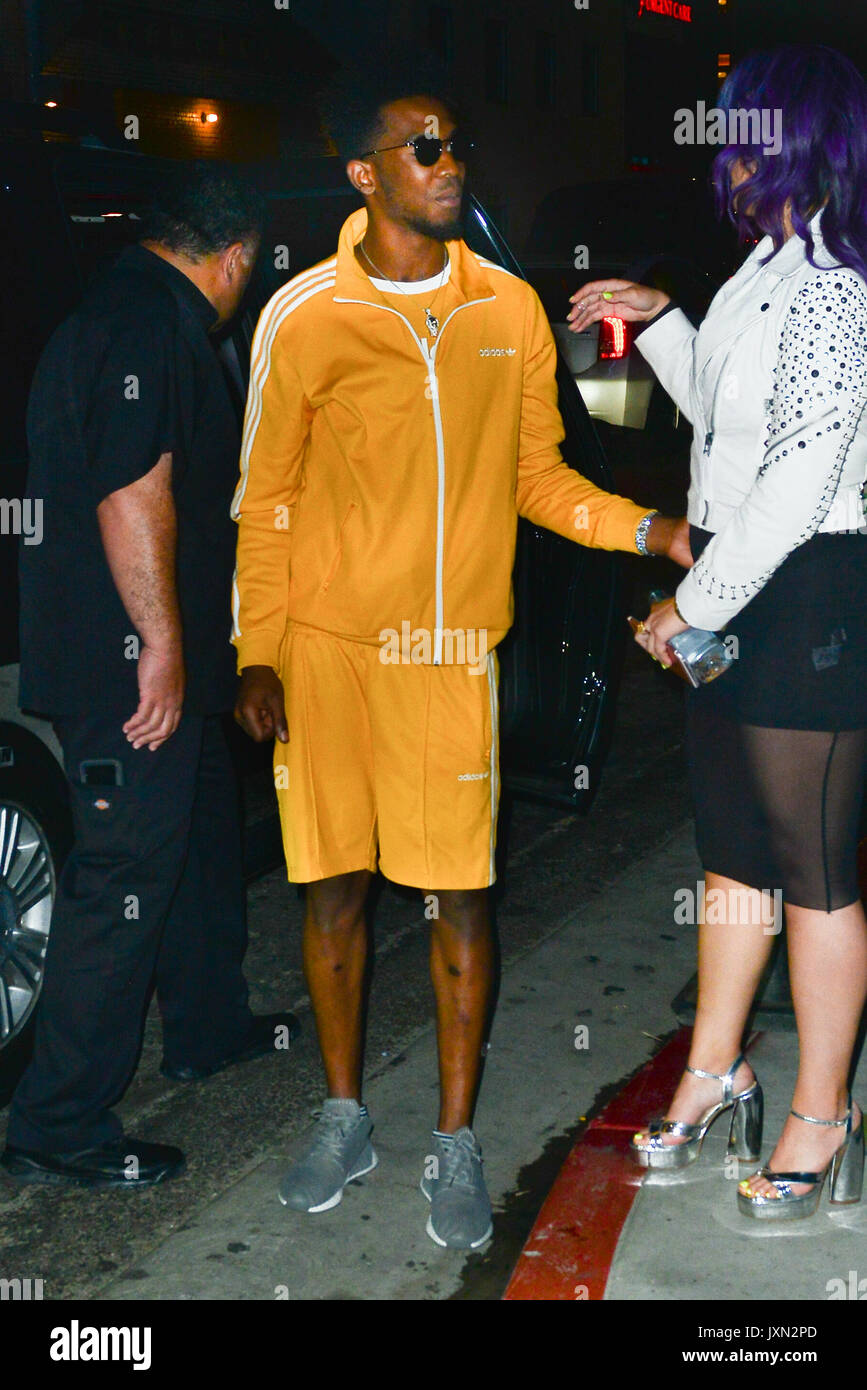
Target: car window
103	196
619	221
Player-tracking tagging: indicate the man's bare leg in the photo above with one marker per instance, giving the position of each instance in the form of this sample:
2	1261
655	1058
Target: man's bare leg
461	963
335	953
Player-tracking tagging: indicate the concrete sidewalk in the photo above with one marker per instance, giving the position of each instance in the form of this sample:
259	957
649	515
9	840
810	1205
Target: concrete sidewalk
684	1237
611	969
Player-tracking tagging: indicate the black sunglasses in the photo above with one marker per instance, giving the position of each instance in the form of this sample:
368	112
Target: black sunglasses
428	148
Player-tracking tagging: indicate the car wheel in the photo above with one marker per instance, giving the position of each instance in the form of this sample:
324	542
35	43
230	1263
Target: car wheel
27	888
34	840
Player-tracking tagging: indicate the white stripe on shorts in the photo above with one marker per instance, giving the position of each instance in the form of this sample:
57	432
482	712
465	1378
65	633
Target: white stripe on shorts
495	739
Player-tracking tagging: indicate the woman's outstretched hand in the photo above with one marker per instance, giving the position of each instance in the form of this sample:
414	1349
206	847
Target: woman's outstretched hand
620	298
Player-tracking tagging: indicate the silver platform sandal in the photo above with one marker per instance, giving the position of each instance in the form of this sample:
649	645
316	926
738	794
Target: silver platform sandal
846	1169
745	1134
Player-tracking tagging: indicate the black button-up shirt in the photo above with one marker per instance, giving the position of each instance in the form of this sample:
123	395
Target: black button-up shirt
130	375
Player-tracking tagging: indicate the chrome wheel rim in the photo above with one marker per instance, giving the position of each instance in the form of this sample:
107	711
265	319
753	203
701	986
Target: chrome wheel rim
27	887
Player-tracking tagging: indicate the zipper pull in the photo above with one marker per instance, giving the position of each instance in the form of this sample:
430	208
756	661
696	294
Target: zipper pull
708	441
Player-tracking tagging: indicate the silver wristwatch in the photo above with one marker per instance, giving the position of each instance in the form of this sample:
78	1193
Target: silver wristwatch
641	531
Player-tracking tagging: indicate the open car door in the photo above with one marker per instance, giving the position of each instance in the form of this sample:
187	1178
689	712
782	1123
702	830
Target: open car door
559	664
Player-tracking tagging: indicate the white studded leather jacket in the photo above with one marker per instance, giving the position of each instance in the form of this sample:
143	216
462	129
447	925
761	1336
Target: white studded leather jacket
775	384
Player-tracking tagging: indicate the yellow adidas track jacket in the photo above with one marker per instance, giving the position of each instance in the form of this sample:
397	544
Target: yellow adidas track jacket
382	475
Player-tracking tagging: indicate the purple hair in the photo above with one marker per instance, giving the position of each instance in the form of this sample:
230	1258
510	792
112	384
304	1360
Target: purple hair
823	100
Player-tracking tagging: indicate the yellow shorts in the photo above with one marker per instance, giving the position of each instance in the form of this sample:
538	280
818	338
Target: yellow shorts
392	766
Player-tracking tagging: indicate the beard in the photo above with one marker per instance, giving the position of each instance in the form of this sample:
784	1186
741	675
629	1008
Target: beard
438	231
451	230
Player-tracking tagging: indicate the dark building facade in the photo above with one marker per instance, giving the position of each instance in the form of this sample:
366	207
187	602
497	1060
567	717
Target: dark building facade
232	79
674	55
557	91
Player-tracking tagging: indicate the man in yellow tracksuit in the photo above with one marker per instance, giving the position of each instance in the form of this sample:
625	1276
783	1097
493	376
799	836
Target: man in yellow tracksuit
402	415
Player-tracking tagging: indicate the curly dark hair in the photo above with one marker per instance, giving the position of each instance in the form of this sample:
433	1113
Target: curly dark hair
351	105
203	209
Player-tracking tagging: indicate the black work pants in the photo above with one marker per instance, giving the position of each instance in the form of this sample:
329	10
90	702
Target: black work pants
151	893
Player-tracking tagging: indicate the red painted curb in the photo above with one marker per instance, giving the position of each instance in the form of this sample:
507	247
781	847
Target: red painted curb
569	1251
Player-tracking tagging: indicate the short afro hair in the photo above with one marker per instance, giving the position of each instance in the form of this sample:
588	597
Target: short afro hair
202	210
351	105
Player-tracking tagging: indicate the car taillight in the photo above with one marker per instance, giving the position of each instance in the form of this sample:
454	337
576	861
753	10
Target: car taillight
613	338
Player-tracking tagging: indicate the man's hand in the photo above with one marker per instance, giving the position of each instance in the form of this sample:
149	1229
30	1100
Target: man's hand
669	535
161	696
622	299
260	709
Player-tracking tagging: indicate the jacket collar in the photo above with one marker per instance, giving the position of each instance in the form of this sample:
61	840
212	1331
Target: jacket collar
739	300
141	259
793	253
467	275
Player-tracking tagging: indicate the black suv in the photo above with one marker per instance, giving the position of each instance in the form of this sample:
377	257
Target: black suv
66	210
658	230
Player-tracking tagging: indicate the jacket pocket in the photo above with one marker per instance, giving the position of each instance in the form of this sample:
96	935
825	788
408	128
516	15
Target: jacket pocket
338	554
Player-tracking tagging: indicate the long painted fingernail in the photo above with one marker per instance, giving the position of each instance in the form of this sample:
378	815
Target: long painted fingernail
607	294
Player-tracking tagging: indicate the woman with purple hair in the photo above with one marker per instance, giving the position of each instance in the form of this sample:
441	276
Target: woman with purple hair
775	384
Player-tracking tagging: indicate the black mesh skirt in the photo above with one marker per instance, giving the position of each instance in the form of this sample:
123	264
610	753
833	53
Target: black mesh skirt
777	745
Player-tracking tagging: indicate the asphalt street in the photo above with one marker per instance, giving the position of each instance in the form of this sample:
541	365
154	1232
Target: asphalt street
559	889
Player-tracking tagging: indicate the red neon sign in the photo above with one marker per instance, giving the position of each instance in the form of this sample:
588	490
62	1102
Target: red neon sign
674	8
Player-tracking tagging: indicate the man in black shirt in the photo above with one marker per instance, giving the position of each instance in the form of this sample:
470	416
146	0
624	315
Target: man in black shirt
125	616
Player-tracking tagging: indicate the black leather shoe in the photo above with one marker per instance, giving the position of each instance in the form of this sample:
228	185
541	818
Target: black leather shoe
119	1163
260	1041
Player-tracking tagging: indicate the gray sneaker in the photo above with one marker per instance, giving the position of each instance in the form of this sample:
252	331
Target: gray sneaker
460	1208
340	1151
